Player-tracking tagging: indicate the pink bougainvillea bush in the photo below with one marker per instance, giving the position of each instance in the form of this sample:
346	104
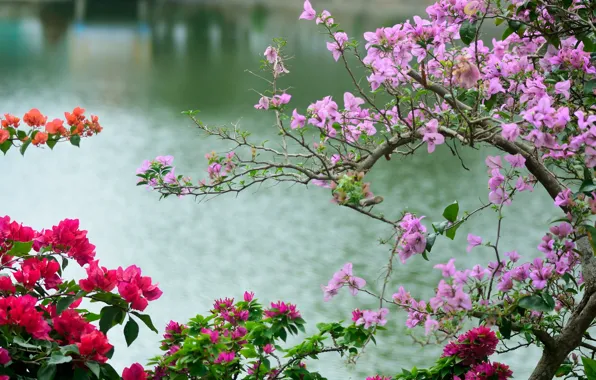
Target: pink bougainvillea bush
436	82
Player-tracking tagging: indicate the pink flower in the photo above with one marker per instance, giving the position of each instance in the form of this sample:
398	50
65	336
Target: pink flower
98	278
370	318
510	131
493	162
308	13
513	256
263	103
270	54
298	120
431	135
563	88
564	198
473	241
516	161
447	269
465	74
430	325
336	47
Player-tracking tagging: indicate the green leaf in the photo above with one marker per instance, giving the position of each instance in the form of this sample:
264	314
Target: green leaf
451	211
24	147
467	32
46	372
535	302
57	358
63	303
108	372
5	146
80	374
587	187
505	328
146	320
94	367
109	317
75	140
589	87
430	241
452	230
131	331
20	248
507	33
550	301
52	143
20	342
71	348
589	368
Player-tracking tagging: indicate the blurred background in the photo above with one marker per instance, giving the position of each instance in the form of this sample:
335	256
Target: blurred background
138	64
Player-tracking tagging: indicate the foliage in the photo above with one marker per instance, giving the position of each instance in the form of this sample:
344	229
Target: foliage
434	82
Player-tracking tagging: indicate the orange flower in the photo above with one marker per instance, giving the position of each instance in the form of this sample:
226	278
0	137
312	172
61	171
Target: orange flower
34	118
56	126
75	116
4	135
40	138
10	121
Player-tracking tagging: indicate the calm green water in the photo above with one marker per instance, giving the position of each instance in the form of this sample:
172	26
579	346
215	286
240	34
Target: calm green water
281	242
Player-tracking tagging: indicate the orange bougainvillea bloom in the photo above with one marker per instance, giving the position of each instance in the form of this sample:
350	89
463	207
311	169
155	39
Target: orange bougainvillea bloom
4	135
40	138
34	118
10	121
56	126
75	116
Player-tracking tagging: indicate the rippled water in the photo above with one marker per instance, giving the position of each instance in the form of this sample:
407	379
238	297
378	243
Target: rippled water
137	68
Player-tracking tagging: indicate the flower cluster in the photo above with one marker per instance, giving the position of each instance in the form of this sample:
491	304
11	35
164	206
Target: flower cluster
44	132
38	306
243	338
340	279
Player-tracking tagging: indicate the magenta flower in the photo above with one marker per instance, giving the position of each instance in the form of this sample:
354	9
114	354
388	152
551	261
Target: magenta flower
4	356
513	256
225	357
268	348
564	198
473	241
249	296
308	13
